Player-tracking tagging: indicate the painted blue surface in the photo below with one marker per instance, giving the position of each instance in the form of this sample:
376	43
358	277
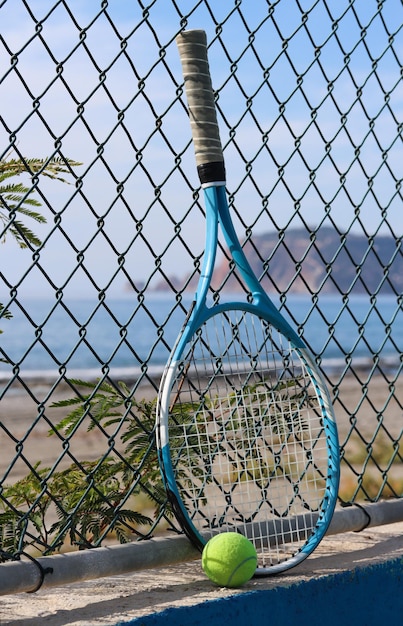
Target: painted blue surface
364	597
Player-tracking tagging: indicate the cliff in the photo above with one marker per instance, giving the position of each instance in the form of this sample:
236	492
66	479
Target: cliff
299	261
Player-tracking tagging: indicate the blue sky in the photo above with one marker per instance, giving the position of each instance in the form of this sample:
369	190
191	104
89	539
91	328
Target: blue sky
74	110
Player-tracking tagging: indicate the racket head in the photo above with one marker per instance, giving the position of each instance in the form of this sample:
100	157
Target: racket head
246	436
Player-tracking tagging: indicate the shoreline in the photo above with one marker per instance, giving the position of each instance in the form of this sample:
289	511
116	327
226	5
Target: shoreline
368	413
331	367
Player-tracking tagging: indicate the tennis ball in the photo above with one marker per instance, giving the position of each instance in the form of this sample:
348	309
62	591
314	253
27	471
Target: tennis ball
229	559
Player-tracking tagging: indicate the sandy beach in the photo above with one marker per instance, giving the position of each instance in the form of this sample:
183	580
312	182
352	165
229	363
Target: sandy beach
27	417
362	410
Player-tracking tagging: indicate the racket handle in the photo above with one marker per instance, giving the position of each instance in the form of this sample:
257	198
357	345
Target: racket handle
192	47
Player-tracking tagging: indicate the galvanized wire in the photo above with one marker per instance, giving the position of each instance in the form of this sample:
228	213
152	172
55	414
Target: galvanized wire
309	98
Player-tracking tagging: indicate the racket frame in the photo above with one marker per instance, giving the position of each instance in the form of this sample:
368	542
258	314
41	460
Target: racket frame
218	216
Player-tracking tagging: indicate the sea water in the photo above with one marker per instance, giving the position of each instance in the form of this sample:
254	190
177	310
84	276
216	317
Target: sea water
127	335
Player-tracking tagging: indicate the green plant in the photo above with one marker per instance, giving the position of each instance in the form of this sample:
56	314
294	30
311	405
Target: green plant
255	422
4	314
89	499
106	406
16	198
92	499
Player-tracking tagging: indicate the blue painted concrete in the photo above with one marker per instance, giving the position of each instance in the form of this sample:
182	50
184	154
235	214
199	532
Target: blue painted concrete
371	596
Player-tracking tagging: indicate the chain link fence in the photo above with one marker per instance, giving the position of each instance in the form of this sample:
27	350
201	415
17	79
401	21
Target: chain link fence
102	237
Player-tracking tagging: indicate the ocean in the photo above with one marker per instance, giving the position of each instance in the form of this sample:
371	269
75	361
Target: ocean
82	335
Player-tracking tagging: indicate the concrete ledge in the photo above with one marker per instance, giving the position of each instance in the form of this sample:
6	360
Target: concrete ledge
350	573
364	596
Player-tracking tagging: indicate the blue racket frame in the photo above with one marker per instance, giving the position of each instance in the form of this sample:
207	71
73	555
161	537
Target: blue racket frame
217	214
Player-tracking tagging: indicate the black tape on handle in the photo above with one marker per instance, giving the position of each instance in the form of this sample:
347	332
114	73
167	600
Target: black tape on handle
192	46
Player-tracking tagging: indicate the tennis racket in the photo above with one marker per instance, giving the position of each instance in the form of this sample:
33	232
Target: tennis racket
246	436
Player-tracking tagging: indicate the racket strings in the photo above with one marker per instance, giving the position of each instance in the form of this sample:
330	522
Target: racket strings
247	440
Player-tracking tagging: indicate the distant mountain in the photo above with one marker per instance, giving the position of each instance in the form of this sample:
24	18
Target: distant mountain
299	261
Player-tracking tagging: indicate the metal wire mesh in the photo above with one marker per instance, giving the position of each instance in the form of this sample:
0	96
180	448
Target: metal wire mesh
309	96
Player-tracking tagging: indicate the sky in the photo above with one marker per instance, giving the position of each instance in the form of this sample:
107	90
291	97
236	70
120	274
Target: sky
310	100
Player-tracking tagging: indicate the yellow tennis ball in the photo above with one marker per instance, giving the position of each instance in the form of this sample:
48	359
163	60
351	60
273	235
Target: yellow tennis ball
229	559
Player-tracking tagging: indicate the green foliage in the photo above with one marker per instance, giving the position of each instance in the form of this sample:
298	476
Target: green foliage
255	424
91	499
4	314
108	406
10	533
86	499
16	198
